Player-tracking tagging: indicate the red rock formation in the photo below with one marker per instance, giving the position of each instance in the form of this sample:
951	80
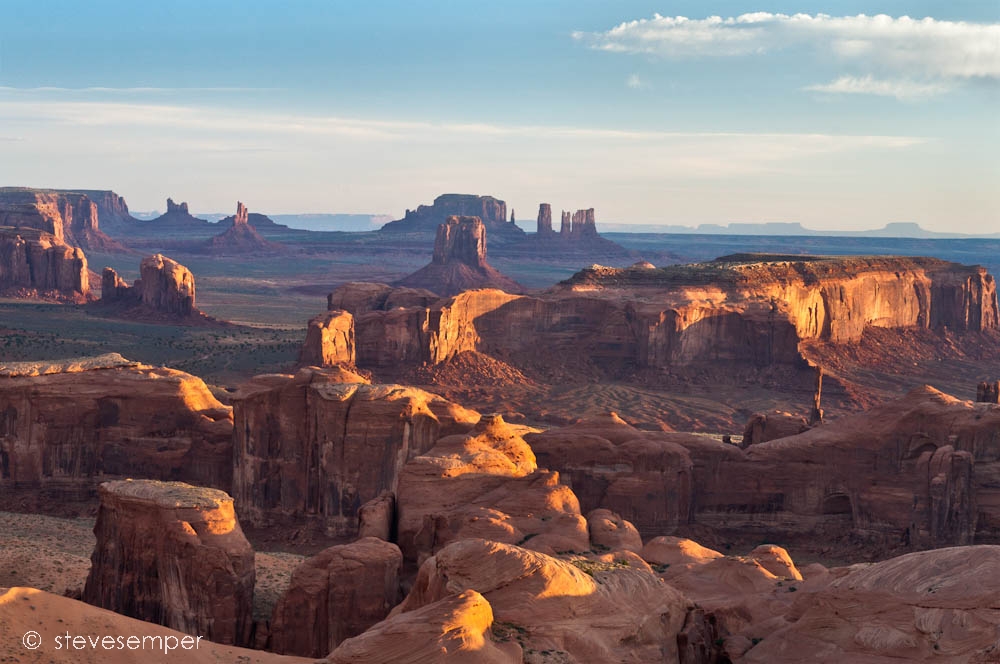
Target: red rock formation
453	630
173	554
241	237
312	448
165	287
762	427
610	532
578	611
988	392
35	263
65	427
175	208
70	216
359	297
485	484
545	220
329	340
491	211
335	595
459	261
377	517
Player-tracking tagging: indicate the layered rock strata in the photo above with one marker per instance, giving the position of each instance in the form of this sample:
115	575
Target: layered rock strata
313	448
173	554
70	216
36	263
66	426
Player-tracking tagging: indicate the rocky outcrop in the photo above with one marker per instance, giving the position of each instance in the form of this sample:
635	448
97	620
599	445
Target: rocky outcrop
762	427
491	211
241	237
988	392
65	427
71	216
173	554
485	484
176	208
165	287
751	312
453	630
459	261
311	449
583	225
329	340
335	595
577	610
35	263
544	228
923	607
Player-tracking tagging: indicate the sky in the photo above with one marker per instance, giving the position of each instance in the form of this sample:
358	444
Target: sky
837	115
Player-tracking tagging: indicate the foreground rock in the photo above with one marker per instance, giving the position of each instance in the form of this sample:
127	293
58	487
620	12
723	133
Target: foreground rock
335	595
26	609
173	554
34	263
310	449
68	425
459	261
453	630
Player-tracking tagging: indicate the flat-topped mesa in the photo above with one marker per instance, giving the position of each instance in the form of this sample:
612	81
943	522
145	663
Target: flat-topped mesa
165	286
35	263
242	214
545	220
459	261
461	239
173	554
491	211
176	208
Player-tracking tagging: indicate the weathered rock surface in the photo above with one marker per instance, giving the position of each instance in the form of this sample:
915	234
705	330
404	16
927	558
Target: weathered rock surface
312	448
921	607
377	517
485	484
762	427
455	629
610	532
335	595
173	554
459	261
491	211
988	392
579	611
544	227
71	216
329	340
164	288
65	427
36	263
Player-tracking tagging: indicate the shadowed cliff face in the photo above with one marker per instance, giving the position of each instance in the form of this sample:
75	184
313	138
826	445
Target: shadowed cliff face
34	262
70	216
461	239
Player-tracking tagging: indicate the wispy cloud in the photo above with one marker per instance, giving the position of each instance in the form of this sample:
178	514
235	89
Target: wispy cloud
635	82
923	51
869	85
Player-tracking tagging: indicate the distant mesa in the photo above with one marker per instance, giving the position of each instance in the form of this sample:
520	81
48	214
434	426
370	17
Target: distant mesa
177	218
459	261
71	217
491	211
164	291
241	237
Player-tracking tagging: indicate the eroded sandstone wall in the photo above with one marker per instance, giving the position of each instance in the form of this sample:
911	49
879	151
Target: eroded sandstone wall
32	260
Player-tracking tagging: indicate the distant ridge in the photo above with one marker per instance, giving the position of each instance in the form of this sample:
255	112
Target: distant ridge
901	229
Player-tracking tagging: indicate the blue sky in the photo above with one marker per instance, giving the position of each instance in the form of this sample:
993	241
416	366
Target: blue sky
781	111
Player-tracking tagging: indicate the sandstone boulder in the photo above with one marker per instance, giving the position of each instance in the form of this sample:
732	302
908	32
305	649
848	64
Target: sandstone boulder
173	554
610	532
453	630
311	449
335	595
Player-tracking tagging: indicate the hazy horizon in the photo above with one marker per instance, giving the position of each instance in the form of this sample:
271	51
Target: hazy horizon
837	116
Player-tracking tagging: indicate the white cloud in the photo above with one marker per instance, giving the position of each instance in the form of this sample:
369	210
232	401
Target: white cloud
868	85
926	50
132	90
635	82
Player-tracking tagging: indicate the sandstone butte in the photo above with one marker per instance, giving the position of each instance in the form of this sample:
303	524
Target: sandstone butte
66	426
165	290
741	310
459	262
426	218
36	263
173	554
241	238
